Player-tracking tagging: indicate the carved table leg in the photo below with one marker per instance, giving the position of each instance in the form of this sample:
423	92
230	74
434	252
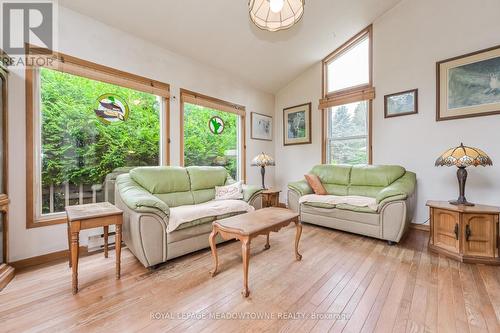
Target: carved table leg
74	259
245	252
118	249
298	225
106	234
69	244
267	246
213	247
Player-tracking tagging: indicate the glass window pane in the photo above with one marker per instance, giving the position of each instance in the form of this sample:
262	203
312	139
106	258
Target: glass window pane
202	147
80	148
352	151
351	68
348	133
348	120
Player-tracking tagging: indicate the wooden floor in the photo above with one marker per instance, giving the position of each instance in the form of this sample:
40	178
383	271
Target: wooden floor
343	283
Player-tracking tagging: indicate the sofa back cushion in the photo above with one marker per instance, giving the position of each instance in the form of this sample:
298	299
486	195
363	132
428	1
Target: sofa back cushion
203	178
333	174
375	175
162	180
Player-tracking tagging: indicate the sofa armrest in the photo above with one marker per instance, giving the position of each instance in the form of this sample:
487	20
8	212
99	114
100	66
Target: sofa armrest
399	190
138	199
301	187
250	192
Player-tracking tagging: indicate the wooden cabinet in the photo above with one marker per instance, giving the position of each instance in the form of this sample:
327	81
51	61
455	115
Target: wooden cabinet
6	271
465	233
270	198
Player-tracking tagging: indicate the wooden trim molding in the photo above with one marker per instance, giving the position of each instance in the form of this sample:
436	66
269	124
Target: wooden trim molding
350	97
72	65
187	96
47	258
360	93
211	102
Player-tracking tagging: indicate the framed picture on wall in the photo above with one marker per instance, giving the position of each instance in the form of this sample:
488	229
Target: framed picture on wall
401	104
261	127
469	85
297	125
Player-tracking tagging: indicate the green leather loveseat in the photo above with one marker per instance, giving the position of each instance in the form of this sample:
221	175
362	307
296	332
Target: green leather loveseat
147	194
392	187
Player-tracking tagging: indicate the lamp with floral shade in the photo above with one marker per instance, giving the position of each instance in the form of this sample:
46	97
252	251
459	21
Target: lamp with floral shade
263	160
463	157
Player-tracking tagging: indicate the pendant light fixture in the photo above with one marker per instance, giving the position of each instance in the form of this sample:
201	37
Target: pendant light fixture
275	15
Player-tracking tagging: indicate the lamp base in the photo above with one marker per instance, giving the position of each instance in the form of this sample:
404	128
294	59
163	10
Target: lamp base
461	203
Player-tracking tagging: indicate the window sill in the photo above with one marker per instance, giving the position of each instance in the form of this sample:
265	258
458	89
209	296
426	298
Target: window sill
44	222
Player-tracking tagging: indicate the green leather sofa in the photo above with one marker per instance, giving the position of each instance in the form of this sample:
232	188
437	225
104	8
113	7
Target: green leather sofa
146	194
392	186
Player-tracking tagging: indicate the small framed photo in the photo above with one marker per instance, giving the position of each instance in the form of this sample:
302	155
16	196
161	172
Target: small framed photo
261	127
401	104
297	125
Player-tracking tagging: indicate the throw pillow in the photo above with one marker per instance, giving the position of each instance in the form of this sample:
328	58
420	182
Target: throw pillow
228	192
315	184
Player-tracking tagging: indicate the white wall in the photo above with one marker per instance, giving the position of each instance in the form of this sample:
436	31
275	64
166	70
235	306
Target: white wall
88	39
408	41
292	162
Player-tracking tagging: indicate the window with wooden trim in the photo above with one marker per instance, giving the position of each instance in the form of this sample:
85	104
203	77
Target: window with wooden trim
346	104
212	133
86	124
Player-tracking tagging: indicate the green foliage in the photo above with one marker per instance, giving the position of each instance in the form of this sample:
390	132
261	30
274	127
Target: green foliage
76	146
201	146
348	122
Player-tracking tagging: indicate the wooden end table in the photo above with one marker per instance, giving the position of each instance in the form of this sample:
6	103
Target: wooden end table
465	233
270	198
247	226
89	216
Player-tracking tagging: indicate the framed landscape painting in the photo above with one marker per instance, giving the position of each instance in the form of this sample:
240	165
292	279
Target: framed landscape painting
401	103
469	85
261	126
297	125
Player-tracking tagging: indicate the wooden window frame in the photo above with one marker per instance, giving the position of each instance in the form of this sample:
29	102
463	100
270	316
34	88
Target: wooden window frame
364	92
83	68
221	105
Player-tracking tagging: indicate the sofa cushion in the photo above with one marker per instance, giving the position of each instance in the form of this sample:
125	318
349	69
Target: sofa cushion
333	174
163	179
365	191
335	189
315	183
354	217
206	177
188	213
177	198
376	175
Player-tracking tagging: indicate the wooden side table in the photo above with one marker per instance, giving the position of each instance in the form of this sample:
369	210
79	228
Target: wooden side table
89	216
270	198
465	233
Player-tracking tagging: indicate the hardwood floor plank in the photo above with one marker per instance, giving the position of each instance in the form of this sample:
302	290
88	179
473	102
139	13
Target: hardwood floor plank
380	288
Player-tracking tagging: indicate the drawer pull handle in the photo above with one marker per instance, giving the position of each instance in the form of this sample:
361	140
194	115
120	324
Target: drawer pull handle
468	233
456	231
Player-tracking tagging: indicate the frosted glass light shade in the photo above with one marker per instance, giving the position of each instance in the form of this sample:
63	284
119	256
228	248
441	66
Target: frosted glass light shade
264	18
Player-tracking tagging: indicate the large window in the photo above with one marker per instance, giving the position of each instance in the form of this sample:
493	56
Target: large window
85	132
212	133
346	102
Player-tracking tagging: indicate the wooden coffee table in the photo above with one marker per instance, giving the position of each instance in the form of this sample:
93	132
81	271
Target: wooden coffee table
244	227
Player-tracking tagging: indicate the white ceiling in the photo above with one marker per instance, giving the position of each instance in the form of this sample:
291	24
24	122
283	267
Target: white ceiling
220	34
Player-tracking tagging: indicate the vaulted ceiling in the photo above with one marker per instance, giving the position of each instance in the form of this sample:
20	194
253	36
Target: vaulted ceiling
219	33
